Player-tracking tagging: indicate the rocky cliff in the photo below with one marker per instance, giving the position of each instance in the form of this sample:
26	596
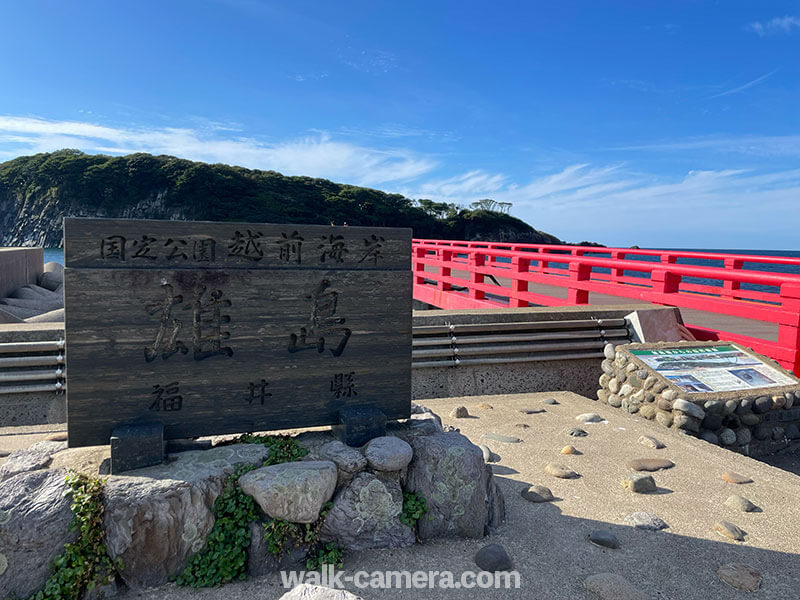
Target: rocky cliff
36	192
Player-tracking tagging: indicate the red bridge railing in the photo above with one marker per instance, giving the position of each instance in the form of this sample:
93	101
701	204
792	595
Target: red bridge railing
458	275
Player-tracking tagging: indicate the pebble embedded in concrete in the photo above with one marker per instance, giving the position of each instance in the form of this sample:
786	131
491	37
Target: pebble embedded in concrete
604	538
650	464
493	557
577	432
646	520
739	576
589	418
733	477
610	586
560	471
729	530
459	412
651	442
537	493
740	503
550	401
639	483
570	449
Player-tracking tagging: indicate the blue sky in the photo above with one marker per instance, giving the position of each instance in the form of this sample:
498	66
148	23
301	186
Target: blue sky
672	124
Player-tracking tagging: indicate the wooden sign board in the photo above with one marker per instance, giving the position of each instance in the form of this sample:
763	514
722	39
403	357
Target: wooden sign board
213	328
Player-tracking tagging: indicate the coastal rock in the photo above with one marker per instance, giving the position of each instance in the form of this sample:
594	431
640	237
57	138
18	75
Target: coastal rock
388	454
462	498
686	423
34	526
293	491
155	518
366	514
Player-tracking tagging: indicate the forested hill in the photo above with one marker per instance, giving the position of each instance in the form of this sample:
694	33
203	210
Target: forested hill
37	191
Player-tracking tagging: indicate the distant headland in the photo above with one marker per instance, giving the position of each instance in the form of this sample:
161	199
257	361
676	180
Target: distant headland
37	191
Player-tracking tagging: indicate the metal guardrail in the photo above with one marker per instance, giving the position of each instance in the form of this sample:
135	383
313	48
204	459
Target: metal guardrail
29	367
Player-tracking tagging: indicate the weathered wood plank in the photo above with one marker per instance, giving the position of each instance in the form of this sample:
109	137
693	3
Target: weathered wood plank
145	244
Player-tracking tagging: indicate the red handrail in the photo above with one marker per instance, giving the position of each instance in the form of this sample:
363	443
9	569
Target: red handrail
512	267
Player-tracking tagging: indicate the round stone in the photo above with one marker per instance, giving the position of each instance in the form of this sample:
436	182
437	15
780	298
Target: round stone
745	406
631	367
610	586
604	538
620	359
714	407
664	418
646	520
727	437
626	389
589	418
537	493
686	423
388	453
740	503
608	367
710	437
743	436
614	400
712	422
551	401
688	408
732	421
729	530
790	400
604	379
778	401
793	432
570	450
459	412
532	411
522	425
609	352
622	376
669	394
649	383
762	432
603	395
577	432
485	406
560	471
651	442
664	404
730	407
642	374
648	411
762	405
613	385
740	577
639	483
733	477
493	558
750	419
778	433
650	464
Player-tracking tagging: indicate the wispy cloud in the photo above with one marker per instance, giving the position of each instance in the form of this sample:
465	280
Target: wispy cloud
763	146
745	86
775	26
318	155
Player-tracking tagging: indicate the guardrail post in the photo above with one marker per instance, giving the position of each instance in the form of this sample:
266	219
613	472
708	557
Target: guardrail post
789	333
446	256
419	267
518	265
664	282
617	274
476	261
729	286
578	272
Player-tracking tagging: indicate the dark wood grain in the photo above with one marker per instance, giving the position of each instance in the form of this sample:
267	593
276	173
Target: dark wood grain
144	244
226	337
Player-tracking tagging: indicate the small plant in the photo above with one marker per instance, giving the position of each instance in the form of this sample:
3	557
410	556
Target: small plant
414	508
282	448
224	557
279	534
84	563
329	554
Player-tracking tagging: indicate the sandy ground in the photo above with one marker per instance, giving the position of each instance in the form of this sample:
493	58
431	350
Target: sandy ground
548	541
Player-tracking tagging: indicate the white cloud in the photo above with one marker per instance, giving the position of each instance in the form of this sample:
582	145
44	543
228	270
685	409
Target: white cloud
774	26
745	86
316	156
765	146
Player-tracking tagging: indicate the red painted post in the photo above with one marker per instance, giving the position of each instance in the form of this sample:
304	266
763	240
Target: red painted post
446	256
476	261
664	282
617	274
789	333
578	272
419	268
729	286
518	265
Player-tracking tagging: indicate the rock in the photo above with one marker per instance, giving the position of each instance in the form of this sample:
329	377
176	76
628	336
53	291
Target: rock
260	561
605	378
740	577
689	408
607	367
714	407
646	520
649	383
663	404
626	389
506	439
750	419
459	412
779	401
155	518
762	432
60	436
712	422
730	407
614	400
610	586
727	436
609	352
669	394
532	411
460	491
762	405
485	406
743	436
778	433
537	493
686	423
793	432
34	526
366	514
732	477
648	411
343	456
650	464
550	401
560	471
306	591
604	538
740	503
32	458
651	442
664	418
577	432
639	483
488	455
522	425
388	453
789	400
493	557
630	406
589	418
570	450
620	359
293	491
729	530
614	385
710	437
745	406
642	374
